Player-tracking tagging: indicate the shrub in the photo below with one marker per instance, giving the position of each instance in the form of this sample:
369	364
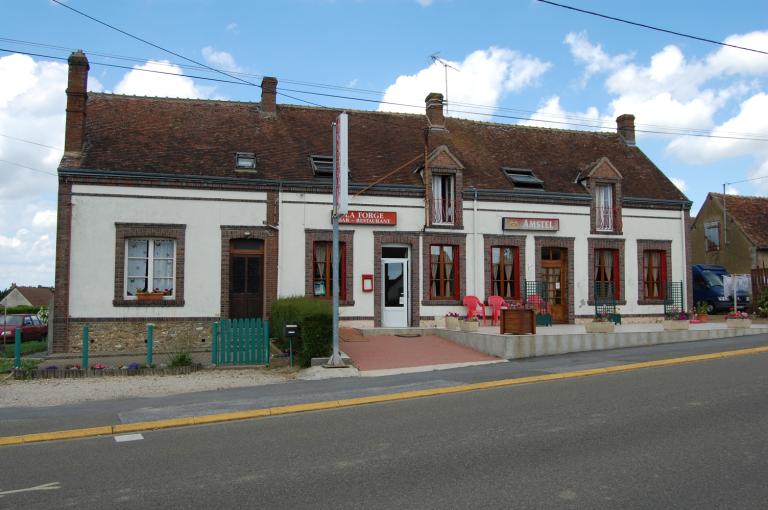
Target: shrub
26	348
762	303
316	337
293	310
21	309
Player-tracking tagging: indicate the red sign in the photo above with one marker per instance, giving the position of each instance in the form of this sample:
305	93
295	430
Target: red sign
369	218
530	224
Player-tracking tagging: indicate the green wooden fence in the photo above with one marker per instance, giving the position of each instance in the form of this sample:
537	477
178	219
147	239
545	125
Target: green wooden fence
240	342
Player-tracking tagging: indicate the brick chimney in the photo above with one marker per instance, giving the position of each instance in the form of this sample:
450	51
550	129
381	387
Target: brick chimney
435	116
77	96
268	96
625	126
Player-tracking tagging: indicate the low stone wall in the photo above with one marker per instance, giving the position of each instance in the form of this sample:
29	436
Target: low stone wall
131	336
528	346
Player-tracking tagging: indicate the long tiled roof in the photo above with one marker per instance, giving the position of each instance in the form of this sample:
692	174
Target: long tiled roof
37	296
751	213
201	137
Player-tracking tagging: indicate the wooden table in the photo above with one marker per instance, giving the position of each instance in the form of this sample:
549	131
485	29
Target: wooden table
518	322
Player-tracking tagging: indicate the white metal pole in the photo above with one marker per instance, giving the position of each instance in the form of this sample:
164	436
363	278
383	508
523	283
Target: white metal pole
335	359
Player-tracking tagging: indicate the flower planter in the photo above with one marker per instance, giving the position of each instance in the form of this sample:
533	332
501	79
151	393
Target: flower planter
469	326
703	317
599	327
675	325
452	323
150	296
738	323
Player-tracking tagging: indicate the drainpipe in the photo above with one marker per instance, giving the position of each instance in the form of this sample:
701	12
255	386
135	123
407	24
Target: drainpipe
474	243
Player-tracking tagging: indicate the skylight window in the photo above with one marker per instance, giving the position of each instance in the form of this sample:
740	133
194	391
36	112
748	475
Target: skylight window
322	166
523	178
245	161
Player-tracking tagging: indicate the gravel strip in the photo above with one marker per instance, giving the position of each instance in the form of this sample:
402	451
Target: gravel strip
53	392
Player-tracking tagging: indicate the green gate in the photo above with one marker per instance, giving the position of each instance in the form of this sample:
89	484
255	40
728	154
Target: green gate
240	342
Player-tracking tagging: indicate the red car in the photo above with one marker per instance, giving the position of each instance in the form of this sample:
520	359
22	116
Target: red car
32	328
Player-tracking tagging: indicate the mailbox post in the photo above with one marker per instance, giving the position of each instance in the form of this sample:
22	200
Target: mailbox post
291	330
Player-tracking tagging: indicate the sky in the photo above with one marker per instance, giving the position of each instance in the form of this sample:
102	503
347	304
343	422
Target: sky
510	61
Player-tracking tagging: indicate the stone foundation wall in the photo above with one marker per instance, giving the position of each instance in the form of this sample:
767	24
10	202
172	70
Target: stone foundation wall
116	336
626	319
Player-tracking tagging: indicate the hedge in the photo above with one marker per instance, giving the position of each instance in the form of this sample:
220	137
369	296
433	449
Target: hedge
316	338
292	310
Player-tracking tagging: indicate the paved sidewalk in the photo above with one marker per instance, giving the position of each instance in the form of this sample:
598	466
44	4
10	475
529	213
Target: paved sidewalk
15	421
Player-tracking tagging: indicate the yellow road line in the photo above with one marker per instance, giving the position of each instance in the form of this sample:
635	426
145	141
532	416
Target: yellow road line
373	399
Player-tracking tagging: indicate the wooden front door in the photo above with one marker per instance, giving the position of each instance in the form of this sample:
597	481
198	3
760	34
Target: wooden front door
246	279
554	268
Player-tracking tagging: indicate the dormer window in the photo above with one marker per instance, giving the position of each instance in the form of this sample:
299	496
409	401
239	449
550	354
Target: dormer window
245	161
522	178
322	166
443	199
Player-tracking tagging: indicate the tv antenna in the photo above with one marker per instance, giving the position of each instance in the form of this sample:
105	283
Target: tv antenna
446	65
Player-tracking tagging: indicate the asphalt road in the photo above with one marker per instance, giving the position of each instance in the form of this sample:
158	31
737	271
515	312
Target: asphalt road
685	436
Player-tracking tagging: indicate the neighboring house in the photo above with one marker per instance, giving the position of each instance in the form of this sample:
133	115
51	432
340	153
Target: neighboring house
225	206
28	296
740	244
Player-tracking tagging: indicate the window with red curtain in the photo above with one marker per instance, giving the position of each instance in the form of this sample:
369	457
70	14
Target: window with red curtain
505	271
607	271
654	273
444	272
322	270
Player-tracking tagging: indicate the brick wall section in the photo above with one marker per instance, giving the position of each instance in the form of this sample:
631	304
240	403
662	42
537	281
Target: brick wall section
346	237
557	242
124	231
410	239
489	241
63	247
130	335
647	244
597	243
270	238
273	208
459	240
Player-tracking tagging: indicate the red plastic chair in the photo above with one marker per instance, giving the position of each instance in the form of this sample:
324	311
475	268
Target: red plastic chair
473	303
498	304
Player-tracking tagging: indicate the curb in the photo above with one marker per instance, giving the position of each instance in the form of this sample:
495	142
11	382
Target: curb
351	402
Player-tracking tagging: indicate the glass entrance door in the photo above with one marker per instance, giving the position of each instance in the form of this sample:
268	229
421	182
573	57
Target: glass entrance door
395	293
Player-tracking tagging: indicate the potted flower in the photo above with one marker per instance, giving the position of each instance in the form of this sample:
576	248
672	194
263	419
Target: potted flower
676	321
155	295
470	324
452	321
736	319
702	311
601	323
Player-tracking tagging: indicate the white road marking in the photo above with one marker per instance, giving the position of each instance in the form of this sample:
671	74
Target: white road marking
128	437
44	487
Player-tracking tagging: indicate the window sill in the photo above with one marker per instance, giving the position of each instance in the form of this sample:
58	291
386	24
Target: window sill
142	304
446	226
619	302
659	301
607	232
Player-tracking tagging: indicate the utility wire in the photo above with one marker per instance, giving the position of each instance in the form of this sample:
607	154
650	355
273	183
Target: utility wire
593	125
167	50
620	20
27	167
31	142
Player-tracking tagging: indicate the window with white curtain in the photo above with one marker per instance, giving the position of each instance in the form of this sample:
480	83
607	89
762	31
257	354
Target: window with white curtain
604	207
150	266
443	202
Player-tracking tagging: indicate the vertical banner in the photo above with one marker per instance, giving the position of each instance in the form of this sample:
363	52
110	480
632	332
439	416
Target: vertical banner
341	166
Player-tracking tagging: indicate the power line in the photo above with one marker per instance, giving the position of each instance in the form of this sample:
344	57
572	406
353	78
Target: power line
27	167
167	50
31	142
620	20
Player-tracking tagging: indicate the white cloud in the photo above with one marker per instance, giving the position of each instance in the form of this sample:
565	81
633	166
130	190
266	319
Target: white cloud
680	183
220	59
424	3
352	83
730	190
552	111
232	27
735	61
482	78
138	82
45	218
592	55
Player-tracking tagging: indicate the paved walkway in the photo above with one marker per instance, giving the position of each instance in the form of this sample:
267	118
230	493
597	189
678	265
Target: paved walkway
384	352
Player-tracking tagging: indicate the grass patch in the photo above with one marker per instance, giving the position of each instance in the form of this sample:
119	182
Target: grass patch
6	364
26	348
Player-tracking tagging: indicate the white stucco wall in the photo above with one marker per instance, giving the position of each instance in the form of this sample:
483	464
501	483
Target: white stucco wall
203	212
